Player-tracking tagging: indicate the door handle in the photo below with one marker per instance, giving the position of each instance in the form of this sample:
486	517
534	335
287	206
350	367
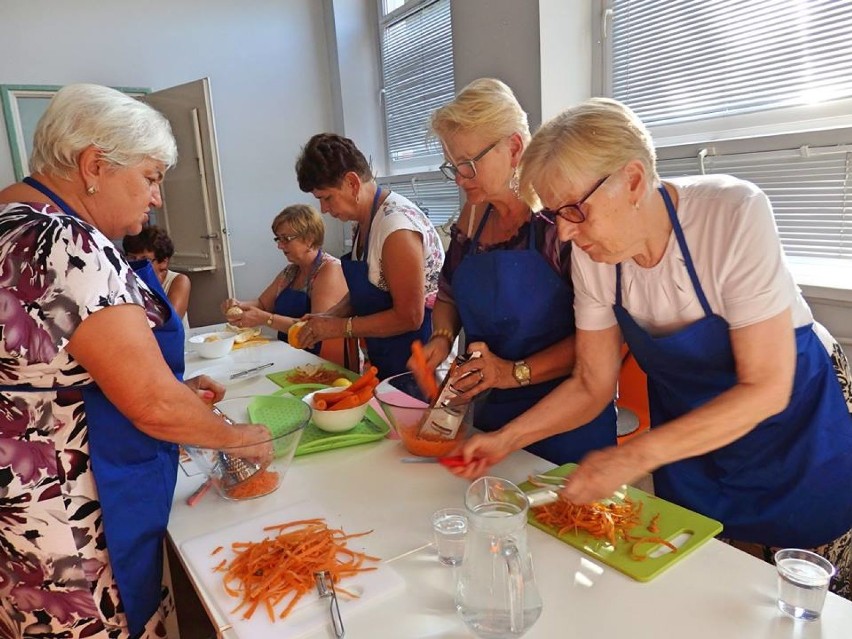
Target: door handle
212	236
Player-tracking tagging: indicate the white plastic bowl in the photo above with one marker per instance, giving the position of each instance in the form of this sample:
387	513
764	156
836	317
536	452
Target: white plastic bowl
335	421
213	345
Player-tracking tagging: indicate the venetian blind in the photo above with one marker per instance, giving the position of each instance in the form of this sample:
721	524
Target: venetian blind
437	197
696	59
810	190
417	72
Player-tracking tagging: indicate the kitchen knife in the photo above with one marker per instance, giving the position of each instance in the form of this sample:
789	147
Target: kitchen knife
249	371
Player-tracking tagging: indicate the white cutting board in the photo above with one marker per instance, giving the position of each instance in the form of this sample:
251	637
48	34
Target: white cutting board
311	614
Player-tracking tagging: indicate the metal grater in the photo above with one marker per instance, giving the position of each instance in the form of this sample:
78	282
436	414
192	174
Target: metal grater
235	470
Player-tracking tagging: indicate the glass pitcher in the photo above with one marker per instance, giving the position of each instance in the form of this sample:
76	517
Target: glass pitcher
496	594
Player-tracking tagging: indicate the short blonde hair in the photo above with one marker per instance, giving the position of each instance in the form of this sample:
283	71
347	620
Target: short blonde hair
305	221
485	105
125	130
592	139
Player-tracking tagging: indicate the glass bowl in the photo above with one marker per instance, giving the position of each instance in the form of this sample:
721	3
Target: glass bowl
236	472
406	408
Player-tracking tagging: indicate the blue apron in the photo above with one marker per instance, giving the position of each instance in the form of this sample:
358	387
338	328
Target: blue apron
135	474
388	354
518	305
294	303
786	482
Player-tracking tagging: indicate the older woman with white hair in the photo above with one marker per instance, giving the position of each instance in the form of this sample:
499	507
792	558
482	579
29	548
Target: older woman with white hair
87	435
750	398
507	278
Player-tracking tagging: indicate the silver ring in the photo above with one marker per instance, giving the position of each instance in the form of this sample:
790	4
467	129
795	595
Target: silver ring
481	376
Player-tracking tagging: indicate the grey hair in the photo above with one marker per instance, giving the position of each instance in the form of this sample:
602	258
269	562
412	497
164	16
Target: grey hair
125	130
485	105
592	139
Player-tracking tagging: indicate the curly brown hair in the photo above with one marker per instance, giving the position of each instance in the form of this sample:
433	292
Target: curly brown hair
152	238
326	158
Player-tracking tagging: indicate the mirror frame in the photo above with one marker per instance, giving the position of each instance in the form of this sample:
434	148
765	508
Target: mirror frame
10	94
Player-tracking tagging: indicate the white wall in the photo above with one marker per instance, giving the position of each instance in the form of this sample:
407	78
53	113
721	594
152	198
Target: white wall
269	70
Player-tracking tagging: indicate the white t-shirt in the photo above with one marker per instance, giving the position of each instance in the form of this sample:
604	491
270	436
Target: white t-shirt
731	236
397	213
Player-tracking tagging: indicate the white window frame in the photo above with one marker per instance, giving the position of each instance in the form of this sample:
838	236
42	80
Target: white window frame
779	129
414	165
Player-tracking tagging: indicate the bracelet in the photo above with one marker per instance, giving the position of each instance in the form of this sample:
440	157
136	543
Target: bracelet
269	321
443	332
347	331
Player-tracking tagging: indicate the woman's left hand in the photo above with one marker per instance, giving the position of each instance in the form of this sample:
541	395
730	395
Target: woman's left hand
320	327
252	316
484	372
601	473
208	390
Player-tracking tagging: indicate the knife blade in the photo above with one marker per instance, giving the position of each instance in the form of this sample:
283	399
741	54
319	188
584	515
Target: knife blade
249	371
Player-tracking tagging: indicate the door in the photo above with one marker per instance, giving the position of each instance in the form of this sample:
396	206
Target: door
193	210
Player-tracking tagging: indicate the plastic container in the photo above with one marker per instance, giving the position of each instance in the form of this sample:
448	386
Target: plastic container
335	421
406	408
213	345
225	467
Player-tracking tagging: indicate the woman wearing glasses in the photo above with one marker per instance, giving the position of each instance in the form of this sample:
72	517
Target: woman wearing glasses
750	398
506	279
312	282
392	272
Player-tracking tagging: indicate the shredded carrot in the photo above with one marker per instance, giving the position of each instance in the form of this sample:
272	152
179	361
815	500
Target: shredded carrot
261	483
653	525
424	375
611	521
217	550
279	571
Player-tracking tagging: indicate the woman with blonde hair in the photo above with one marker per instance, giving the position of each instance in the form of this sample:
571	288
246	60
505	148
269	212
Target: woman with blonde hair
88	432
750	398
312	282
506	279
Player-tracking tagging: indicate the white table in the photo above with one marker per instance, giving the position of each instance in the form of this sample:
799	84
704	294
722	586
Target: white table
717	592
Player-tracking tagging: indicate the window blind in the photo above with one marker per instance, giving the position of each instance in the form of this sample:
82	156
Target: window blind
690	60
810	190
417	72
436	196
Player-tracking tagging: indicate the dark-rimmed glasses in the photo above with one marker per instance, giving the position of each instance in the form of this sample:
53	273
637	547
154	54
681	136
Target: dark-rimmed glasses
283	239
466	168
571	212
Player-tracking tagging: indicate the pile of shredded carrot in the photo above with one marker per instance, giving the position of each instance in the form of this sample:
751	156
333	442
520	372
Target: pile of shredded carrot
261	483
280	570
314	374
611	521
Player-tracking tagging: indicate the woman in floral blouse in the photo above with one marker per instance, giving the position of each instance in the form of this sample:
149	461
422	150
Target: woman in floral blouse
87	452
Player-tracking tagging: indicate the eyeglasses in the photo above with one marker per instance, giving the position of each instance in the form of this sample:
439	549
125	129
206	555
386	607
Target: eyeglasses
467	168
571	212
283	239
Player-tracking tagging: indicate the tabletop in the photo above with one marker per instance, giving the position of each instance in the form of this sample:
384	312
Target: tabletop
717	591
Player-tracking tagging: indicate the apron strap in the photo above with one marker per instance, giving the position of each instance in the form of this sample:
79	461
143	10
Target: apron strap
373	210
44	190
684	249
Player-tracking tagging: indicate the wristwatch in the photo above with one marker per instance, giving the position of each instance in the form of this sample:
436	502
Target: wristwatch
521	372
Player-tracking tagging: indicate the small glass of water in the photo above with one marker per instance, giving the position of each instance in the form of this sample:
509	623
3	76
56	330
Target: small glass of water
803	579
450	527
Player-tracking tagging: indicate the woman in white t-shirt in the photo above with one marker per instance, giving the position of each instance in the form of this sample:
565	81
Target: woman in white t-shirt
392	271
750	424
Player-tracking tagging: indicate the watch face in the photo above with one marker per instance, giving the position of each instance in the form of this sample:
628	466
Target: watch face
522	372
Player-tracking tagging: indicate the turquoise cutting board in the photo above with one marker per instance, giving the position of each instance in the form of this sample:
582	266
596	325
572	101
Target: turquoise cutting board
672	522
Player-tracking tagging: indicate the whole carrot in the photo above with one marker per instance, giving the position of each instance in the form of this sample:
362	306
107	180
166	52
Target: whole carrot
423	374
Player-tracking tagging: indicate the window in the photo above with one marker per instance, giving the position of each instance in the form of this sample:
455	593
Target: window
417	76
736	87
436	196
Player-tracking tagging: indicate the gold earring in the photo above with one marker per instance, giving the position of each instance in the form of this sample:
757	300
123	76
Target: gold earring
92	189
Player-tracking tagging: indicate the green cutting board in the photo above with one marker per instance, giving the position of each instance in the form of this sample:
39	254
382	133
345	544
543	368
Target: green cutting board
371	428
673	521
280	377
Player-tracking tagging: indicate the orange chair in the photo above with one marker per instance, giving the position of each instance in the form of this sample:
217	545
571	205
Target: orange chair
633	394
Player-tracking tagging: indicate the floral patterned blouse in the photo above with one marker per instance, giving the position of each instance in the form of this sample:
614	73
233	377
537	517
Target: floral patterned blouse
55	574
